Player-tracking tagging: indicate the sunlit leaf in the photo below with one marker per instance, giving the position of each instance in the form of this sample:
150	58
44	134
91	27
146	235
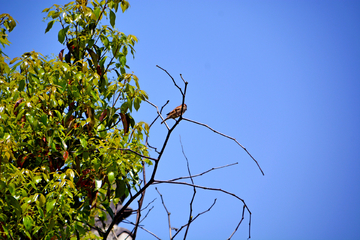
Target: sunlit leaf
83	142
50	205
111	177
96	13
28	222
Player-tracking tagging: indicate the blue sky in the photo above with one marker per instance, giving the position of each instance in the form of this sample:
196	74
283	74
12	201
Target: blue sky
282	77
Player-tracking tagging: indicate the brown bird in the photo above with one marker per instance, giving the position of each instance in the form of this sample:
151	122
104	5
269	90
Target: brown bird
175	113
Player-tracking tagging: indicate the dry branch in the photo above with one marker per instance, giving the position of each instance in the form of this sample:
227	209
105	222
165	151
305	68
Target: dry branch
214	189
167	212
202	124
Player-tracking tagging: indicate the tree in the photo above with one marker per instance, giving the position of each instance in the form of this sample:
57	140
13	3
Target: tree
70	148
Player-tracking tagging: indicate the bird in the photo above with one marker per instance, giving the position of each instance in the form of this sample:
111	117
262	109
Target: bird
175	113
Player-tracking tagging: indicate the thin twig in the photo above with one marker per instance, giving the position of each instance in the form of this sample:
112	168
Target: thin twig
129	222
147	214
126	149
196	217
148	204
172	79
183	78
182	93
194	192
202	124
159	115
149	232
200	174
242	218
168	213
140	203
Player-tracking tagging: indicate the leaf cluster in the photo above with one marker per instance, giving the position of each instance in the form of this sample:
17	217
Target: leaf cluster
66	125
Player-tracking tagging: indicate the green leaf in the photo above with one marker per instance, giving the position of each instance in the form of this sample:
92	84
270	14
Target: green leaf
21	85
94	57
28	222
124	5
110	211
55	15
123	60
111	177
137	102
105	41
112	18
70	173
120	188
49	26
62	34
43	119
83	142
50	205
96	13
31	120
41	200
14	60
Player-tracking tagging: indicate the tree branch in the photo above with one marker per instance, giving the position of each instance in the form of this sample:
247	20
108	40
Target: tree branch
168	213
200	174
202	124
140	203
214	189
159	115
194	192
156	165
196	217
173	80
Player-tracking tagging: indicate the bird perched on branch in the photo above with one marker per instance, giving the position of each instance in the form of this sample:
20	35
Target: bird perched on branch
176	112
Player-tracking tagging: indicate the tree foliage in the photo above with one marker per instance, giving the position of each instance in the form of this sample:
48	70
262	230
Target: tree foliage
68	142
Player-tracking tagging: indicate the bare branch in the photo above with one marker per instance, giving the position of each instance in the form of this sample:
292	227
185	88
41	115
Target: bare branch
242	218
148	204
183	78
126	149
144	230
168	213
194	193
202	124
158	112
196	217
182	93
213	189
172	79
140	203
149	232
200	174
146	214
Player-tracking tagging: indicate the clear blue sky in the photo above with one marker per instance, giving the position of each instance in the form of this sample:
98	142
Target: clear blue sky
282	77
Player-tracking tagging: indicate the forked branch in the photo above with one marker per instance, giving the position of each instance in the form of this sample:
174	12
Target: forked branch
220	190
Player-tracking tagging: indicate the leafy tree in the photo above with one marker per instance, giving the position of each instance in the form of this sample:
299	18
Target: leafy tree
71	154
64	158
